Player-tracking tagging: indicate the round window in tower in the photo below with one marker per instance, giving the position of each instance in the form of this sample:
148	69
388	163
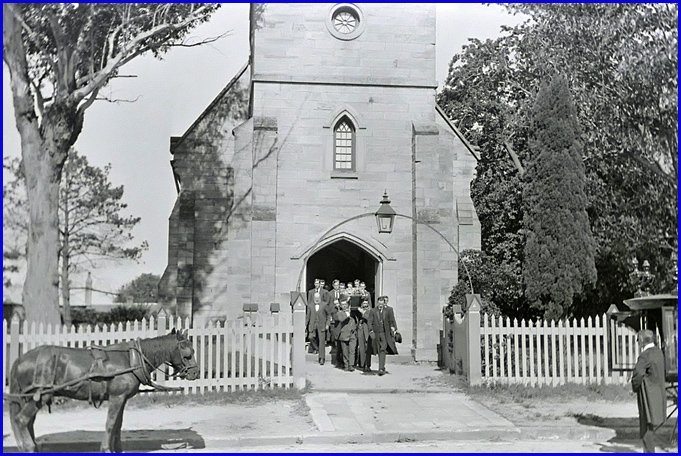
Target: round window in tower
345	21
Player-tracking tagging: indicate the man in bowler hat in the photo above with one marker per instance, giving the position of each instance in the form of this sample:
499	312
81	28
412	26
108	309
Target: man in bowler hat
647	382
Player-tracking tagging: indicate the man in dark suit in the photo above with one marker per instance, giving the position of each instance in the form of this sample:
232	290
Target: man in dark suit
382	329
647	382
317	320
314	300
348	333
333	307
363	346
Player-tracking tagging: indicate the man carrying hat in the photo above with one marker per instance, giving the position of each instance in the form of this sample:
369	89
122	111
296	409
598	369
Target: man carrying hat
382	329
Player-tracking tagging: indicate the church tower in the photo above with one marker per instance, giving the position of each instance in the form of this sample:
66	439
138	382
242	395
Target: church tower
335	107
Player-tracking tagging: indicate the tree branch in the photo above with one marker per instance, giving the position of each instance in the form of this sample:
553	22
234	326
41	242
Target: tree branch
119	100
514	157
655	168
131	50
14	56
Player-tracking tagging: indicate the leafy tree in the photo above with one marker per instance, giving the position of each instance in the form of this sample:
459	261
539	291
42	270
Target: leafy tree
559	250
91	226
612	54
143	288
497	286
121	314
59	57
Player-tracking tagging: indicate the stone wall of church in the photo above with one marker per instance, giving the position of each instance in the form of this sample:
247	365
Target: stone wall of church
202	164
293	41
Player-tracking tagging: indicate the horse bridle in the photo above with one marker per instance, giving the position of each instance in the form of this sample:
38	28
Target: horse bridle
146	373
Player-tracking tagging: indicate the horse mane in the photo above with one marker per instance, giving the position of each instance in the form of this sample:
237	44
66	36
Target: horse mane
159	349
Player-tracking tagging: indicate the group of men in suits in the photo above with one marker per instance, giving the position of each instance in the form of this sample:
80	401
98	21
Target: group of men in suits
355	332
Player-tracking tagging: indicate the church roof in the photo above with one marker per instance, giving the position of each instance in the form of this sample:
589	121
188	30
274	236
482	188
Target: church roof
216	100
458	133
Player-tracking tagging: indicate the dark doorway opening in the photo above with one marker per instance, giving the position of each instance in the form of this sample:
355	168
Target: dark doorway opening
345	261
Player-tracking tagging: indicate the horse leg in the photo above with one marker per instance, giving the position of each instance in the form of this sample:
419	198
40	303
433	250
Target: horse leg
22	418
116	404
117	444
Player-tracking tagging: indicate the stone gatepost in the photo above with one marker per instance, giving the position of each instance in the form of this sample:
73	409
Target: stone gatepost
298	343
472	319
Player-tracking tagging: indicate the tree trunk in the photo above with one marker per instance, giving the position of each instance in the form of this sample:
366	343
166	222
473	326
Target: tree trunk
40	296
41	287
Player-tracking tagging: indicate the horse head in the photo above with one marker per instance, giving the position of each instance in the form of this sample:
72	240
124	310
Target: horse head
183	360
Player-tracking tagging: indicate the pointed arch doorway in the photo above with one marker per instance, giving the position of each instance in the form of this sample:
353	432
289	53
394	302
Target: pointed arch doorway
346	261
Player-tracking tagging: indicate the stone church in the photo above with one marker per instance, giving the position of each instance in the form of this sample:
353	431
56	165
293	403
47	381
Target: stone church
335	106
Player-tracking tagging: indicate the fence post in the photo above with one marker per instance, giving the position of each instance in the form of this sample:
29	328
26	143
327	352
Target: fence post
473	344
161	322
298	355
13	340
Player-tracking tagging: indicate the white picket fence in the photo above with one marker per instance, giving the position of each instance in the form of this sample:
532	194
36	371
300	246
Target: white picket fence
242	354
554	353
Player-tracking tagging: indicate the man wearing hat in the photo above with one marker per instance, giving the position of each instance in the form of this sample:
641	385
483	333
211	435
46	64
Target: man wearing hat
382	329
647	382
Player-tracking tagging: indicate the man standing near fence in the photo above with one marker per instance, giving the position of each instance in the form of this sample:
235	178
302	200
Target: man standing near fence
647	382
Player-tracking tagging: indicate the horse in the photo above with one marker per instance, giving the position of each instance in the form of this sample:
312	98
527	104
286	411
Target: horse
96	373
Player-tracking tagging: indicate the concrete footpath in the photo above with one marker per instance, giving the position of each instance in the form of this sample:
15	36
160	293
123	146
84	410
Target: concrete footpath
411	404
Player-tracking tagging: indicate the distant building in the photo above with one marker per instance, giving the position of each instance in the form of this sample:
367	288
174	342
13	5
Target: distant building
335	106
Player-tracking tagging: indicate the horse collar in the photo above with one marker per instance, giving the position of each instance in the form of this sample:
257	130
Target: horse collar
138	360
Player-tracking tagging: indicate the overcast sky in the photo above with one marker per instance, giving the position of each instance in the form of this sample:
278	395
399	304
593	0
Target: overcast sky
134	137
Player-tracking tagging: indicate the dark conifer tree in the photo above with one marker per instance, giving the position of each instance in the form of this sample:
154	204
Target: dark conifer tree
559	250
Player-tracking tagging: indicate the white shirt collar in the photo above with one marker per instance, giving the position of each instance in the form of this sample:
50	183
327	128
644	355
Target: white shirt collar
650	345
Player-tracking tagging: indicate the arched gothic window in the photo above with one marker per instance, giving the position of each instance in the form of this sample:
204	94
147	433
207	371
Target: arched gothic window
344	145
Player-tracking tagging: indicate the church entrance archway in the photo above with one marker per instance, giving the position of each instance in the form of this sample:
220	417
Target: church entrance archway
346	261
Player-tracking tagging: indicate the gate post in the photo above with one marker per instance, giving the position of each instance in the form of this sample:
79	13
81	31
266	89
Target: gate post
473	344
298	355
